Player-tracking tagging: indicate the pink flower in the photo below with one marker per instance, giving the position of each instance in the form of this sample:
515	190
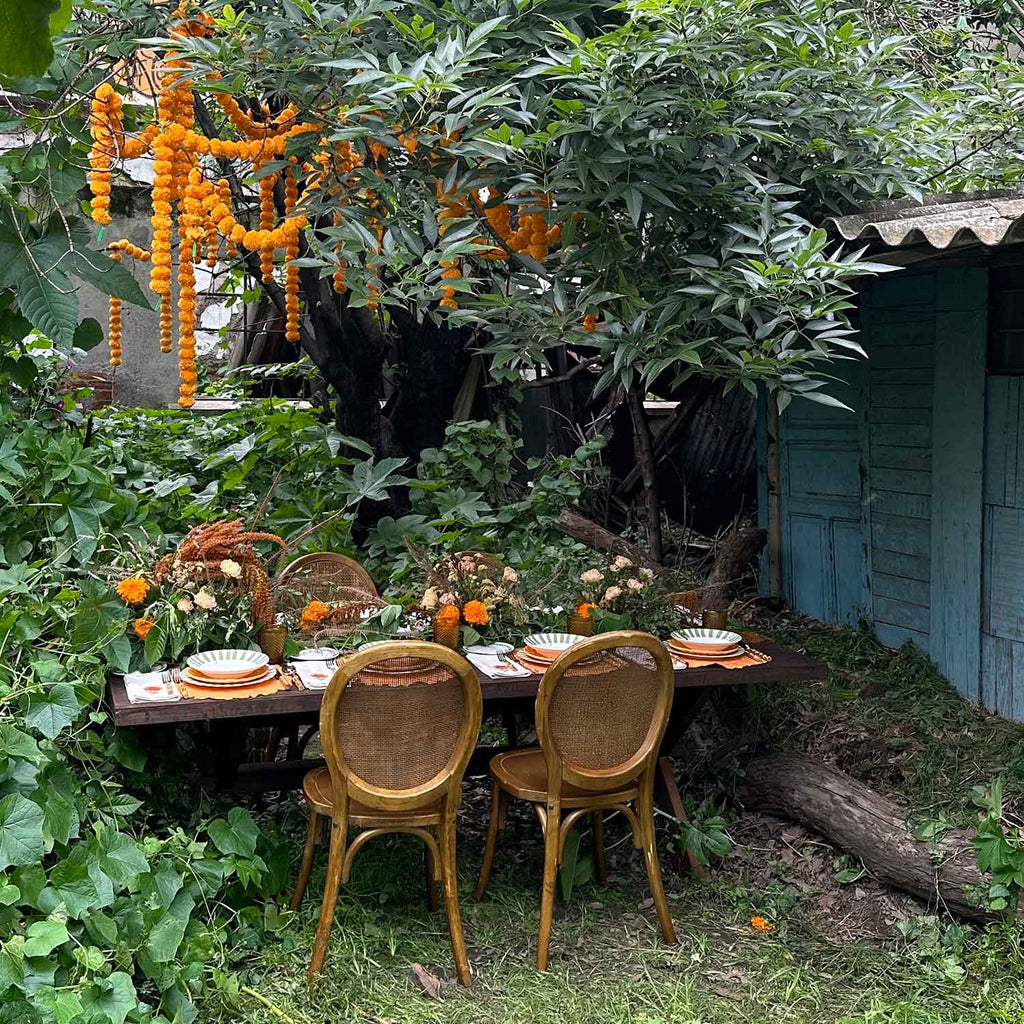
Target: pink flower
510	575
206	600
185	605
634	584
592	576
621	562
612	592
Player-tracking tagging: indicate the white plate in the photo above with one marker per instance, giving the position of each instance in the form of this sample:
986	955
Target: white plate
491	649
317	654
227	661
710	656
552	641
268	673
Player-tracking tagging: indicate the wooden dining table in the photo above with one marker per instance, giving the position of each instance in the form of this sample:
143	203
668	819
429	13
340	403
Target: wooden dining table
230	721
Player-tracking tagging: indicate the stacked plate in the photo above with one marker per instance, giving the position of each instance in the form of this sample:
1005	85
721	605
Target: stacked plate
709	644
228	667
540	650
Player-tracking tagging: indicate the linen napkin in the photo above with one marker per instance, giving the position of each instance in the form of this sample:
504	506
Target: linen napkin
149	688
314	675
493	667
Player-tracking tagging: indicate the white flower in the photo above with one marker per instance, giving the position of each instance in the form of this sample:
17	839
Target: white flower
185	605
448	598
206	600
429	598
647	574
634	584
592	576
467	564
621	562
510	575
231	568
612	592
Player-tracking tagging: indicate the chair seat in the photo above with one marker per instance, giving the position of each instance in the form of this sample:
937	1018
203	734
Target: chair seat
524	774
319	794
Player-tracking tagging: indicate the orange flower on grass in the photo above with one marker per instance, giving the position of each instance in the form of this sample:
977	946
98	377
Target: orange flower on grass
133	590
142	627
761	924
585	608
476	613
448	615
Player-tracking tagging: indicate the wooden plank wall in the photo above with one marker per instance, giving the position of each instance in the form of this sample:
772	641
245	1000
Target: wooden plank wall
958	449
898	322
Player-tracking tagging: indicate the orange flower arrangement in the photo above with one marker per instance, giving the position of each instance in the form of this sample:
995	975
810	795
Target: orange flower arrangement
449	615
585	608
133	590
476	613
142	627
314	612
761	924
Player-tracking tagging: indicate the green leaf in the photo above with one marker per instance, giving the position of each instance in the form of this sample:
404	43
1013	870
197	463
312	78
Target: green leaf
25	47
21	831
73	887
120	858
114	997
53	709
235	836
165	938
60	819
49	304
107	276
9	894
88	334
45	936
156	642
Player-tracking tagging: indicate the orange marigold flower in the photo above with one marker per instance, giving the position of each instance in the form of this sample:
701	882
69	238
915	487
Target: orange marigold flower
142	627
585	608
448	615
315	611
476	613
761	924
133	590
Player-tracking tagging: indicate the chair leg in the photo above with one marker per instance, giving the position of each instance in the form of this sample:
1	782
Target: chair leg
430	870
646	810
493	825
331	885
547	895
600	869
451	898
312	838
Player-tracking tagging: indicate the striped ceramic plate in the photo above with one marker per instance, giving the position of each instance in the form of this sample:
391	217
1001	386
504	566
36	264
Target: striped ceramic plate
548	646
227	662
713	641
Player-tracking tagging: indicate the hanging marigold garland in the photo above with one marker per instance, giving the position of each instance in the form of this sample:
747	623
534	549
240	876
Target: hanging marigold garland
200	212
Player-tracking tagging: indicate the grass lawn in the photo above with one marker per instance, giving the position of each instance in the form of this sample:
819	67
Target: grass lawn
842	948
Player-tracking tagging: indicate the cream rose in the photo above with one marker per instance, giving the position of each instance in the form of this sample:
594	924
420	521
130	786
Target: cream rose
206	600
621	562
185	605
231	568
612	592
592	576
647	574
634	584
510	575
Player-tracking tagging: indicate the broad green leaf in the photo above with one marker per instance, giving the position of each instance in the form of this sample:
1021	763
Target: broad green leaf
9	894
88	334
107	276
52	709
25	47
114	997
60	819
156	642
120	858
21	831
165	938
49	304
235	836
73	887
44	936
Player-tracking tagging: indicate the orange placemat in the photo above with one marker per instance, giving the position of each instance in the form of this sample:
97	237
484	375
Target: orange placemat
280	682
751	658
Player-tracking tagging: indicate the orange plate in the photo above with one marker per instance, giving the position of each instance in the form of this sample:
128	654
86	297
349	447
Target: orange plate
227	677
190	675
703	650
541	653
524	659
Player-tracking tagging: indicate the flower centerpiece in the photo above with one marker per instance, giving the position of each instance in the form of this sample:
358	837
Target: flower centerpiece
474	592
615	596
212	591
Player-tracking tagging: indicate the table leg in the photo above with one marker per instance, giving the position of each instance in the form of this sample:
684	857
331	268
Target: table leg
508	720
227	738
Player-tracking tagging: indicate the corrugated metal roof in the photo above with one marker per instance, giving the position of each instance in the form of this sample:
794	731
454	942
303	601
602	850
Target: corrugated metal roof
992	218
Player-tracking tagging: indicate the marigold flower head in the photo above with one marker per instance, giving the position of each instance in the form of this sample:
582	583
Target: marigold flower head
315	611
142	627
761	924
448	615
476	613
133	590
585	608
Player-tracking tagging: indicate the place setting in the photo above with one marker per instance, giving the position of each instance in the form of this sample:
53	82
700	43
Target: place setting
703	646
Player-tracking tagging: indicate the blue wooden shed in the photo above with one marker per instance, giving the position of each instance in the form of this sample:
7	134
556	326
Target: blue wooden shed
909	511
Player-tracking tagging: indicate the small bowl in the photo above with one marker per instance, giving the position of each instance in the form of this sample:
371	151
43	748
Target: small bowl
228	662
317	654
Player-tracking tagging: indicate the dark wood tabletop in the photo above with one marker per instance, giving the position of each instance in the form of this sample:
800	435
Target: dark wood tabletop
786	666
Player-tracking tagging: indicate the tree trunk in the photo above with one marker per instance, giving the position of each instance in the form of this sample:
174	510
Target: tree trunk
732	562
644	448
586	531
867	825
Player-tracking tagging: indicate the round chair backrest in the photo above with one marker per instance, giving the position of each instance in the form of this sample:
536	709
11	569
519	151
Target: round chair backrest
488	565
325	576
602	708
398	724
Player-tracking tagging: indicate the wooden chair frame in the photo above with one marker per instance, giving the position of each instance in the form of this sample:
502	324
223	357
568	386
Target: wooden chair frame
628	787
331	558
426	811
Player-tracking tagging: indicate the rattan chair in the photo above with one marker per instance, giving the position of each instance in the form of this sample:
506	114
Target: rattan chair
491	565
326	576
601	712
398	723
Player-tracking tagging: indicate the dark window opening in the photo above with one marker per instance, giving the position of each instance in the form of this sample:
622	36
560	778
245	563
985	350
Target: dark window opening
1006	318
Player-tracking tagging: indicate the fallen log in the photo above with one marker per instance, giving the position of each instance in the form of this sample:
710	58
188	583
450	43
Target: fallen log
732	563
595	536
942	872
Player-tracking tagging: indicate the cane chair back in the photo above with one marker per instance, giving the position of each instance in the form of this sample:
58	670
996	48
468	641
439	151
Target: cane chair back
398	724
602	709
326	576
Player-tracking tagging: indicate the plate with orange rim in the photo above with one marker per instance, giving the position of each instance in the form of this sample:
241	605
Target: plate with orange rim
194	678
